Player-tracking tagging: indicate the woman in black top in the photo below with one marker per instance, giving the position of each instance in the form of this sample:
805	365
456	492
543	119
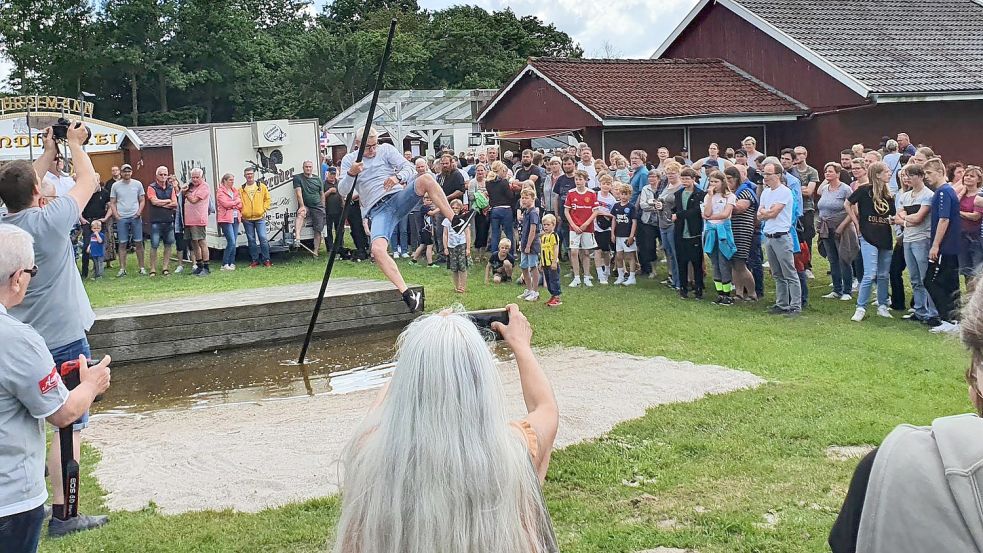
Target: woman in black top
501	198
871	209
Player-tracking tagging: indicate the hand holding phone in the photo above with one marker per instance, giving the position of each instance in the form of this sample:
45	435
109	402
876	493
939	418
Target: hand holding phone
515	330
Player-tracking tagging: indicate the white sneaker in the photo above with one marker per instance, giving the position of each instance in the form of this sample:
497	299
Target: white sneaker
883	311
831	296
533	296
575	282
630	281
856	285
765	265
859	315
179	269
143	271
846	297
588	283
224	268
809	274
525	294
619	280
232	266
121	273
602	280
946	326
405	255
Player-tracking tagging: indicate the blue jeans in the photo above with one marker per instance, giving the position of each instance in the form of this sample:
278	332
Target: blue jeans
230	230
71	352
161	232
391	209
501	223
552	278
841	271
129	228
256	232
668	237
970	254
400	239
916	257
21	532
877	266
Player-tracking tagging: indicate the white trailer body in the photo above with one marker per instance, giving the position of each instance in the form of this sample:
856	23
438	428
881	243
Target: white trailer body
276	149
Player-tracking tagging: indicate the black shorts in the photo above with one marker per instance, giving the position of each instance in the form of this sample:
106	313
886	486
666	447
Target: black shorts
426	238
603	239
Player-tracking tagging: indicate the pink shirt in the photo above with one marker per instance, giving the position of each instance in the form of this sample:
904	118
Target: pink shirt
196	214
229	204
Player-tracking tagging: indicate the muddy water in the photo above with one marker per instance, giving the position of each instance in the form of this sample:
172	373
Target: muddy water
259	374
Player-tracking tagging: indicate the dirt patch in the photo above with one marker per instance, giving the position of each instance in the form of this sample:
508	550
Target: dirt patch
847	452
251	456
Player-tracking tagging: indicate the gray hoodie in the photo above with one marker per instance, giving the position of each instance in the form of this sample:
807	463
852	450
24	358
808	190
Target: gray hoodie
926	490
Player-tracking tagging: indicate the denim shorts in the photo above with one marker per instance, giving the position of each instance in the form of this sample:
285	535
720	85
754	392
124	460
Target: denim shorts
529	260
71	352
388	211
161	231
129	228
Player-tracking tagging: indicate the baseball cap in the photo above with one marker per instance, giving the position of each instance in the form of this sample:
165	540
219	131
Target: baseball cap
332	169
126	167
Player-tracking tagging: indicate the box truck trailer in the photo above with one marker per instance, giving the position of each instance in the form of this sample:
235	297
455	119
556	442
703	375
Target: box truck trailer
276	149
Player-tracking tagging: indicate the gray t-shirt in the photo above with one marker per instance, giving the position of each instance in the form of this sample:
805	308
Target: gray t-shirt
911	203
810	174
30	391
830	203
56	304
127	194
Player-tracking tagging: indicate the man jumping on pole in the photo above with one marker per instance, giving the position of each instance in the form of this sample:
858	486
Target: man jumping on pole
389	188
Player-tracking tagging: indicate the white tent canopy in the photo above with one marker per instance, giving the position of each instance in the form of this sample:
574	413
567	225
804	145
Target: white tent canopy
424	114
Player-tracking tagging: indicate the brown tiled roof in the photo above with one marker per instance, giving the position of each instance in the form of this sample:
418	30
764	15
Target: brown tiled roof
159	136
664	88
914	46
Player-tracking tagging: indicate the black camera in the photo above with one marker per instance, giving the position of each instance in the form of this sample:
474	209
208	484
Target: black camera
59	131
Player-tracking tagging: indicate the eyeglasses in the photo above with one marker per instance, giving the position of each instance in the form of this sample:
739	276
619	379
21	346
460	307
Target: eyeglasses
33	271
370	146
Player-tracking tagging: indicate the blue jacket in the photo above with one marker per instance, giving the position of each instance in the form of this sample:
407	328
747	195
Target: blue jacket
638	182
719	236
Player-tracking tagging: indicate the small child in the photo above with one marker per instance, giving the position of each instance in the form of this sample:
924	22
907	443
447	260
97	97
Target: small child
457	249
802	260
426	233
529	246
499	267
550	257
97	249
623	234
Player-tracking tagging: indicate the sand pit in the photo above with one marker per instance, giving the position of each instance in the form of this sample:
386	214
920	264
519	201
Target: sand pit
252	456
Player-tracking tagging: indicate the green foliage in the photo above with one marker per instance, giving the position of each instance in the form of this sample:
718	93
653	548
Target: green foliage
173	61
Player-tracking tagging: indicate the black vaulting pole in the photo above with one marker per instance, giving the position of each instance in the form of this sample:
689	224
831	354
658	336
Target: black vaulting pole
339	236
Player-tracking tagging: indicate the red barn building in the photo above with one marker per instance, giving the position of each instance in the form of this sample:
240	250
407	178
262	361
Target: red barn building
628	104
865	68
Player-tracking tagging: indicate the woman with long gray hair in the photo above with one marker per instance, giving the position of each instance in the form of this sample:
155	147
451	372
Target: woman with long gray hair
437	465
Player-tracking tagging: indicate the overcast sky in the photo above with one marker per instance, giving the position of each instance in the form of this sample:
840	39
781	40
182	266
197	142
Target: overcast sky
613	28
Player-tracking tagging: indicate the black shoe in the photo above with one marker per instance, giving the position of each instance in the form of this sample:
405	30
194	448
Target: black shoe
458	223
58	528
684	294
775	310
196	271
792	313
933	322
413	300
726	300
698	296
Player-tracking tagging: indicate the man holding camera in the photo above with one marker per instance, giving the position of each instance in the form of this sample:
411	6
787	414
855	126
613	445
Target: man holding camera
55	303
30	391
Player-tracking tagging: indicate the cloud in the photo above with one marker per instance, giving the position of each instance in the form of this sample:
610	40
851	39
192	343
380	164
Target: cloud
604	28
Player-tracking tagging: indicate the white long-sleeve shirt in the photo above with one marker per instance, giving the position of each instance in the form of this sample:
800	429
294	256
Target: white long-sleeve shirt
388	161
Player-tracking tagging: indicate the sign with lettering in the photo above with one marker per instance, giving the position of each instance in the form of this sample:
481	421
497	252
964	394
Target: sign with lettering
16	140
55	104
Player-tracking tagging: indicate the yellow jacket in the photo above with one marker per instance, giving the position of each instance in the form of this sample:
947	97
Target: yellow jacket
255	204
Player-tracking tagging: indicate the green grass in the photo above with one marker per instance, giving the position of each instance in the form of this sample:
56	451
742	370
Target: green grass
715	467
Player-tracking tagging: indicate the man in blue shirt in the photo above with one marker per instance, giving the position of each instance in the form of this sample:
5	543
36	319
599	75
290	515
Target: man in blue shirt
904	144
942	279
791	180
